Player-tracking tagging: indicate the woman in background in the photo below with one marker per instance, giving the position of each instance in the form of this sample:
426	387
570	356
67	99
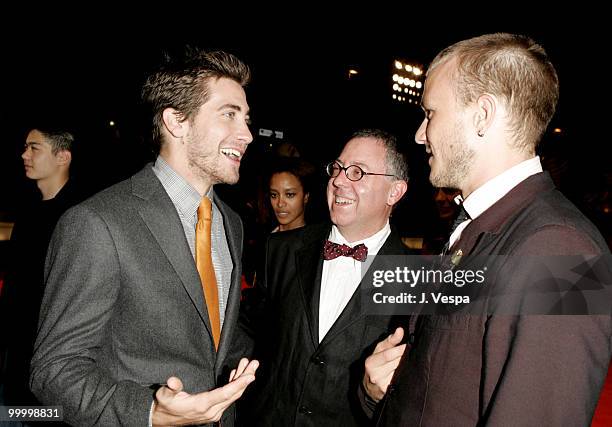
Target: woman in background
289	191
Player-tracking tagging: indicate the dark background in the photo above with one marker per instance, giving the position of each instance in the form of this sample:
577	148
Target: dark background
84	75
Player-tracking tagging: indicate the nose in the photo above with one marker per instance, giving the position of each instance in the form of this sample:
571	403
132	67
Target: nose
340	180
26	153
280	202
244	134
421	134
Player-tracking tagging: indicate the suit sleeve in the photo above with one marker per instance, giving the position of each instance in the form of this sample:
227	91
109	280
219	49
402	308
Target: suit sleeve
83	280
556	364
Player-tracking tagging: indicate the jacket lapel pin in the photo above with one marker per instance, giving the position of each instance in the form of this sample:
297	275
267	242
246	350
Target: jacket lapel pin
456	257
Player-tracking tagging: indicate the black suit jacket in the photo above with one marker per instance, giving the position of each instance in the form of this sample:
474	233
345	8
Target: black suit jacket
303	382
527	370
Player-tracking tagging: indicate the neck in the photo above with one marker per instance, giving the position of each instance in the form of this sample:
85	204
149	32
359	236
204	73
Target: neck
490	165
292	225
181	167
49	187
357	235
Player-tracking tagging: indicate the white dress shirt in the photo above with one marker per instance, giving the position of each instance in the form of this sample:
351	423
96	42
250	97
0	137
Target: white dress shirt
491	191
341	277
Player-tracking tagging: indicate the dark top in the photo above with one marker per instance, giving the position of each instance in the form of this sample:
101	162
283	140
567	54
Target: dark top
301	381
24	288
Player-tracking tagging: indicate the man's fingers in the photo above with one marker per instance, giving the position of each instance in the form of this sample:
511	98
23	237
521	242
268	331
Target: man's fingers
244	367
379	370
393	353
174	404
229	392
174	384
396	337
251	367
377	391
384	382
391	341
383	357
241	366
173	387
382	371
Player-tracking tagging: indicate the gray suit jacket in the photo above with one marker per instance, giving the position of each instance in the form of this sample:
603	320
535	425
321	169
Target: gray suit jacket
124	309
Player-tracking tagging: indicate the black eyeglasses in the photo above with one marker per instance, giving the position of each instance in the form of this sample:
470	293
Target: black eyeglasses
353	172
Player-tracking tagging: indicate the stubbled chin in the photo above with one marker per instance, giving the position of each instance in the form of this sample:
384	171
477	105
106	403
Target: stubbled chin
230	177
232	180
231	161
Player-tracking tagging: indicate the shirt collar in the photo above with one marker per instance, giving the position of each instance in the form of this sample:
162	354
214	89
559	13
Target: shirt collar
491	191
373	243
183	195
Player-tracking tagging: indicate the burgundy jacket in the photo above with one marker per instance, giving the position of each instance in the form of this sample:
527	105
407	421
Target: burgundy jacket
528	370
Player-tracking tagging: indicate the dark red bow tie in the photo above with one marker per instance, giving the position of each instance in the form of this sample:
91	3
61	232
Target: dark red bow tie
334	250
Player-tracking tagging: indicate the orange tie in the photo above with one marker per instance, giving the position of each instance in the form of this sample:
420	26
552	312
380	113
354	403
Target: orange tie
205	267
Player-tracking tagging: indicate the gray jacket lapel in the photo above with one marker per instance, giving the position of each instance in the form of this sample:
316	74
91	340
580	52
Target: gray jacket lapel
160	216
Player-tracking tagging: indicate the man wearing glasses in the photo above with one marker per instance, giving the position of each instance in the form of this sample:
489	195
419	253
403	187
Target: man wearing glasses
316	334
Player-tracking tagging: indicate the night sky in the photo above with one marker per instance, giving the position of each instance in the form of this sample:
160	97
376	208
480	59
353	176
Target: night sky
85	78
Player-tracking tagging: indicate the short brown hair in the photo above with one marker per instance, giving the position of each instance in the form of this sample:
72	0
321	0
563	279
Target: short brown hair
512	67
181	83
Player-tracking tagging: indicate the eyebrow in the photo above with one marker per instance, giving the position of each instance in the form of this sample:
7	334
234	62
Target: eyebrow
283	189
233	107
360	164
29	143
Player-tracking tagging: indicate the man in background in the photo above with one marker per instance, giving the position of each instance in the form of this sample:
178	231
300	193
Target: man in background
47	157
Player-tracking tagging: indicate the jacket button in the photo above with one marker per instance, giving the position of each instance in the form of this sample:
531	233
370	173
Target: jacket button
411	338
318	361
304	410
390	389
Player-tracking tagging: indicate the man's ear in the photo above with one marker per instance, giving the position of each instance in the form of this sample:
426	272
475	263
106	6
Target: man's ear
175	123
398	189
64	157
486	108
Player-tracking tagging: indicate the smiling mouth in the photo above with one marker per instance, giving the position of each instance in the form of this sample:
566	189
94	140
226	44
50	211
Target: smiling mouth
231	153
343	201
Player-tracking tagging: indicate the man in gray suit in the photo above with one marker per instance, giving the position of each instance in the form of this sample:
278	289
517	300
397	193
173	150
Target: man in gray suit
125	336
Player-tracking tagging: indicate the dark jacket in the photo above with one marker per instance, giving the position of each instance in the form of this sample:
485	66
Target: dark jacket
301	382
527	370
